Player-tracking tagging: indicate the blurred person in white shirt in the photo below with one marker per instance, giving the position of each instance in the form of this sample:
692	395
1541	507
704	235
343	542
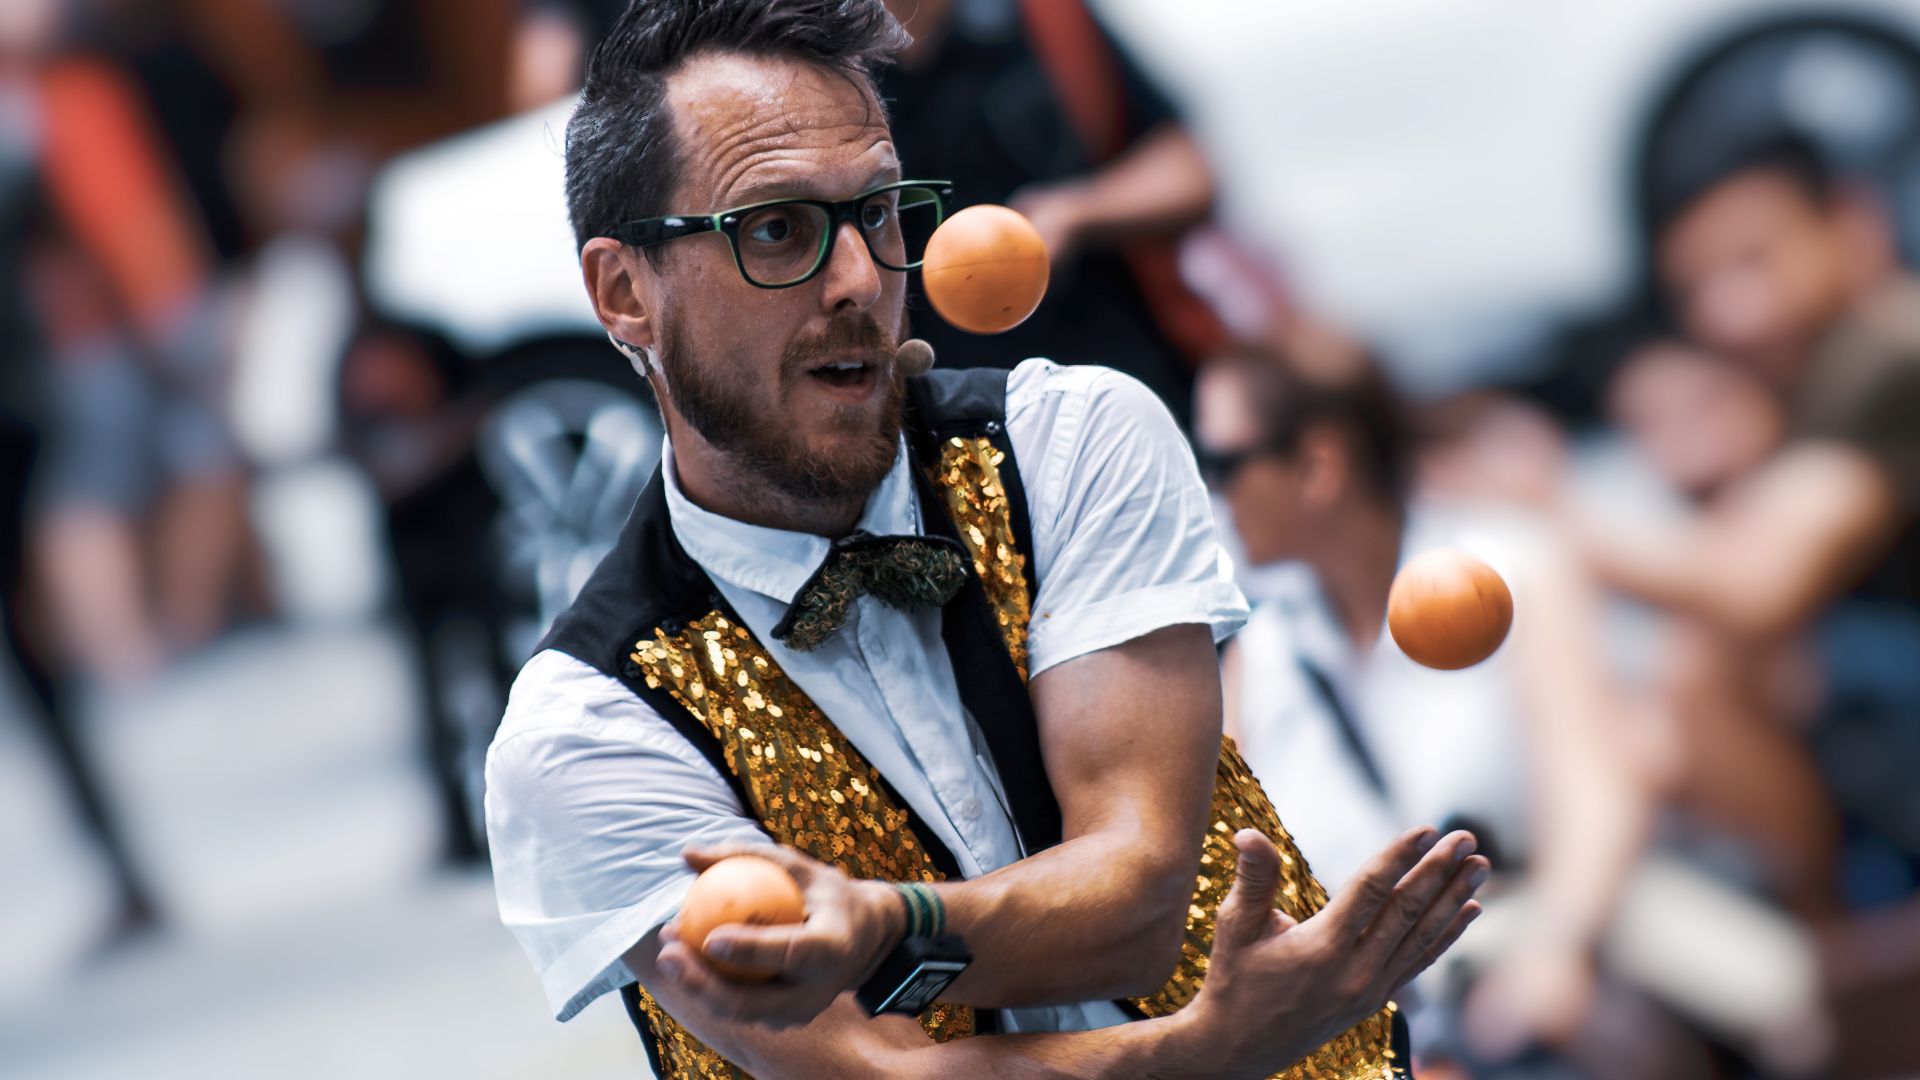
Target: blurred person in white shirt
1536	749
1349	735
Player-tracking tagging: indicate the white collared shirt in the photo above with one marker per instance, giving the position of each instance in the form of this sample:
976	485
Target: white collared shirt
592	796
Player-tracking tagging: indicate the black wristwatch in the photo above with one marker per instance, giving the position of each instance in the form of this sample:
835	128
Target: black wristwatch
922	966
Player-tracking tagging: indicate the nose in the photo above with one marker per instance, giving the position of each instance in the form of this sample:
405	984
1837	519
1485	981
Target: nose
851	279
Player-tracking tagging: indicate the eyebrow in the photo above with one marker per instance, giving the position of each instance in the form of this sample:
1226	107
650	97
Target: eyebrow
775	190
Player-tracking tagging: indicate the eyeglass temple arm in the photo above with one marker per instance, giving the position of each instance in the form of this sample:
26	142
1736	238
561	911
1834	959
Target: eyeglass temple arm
660	230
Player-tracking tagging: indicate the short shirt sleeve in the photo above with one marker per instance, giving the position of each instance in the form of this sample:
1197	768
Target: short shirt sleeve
591	798
1123	532
1879	419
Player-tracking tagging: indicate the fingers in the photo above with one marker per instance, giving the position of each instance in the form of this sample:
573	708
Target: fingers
1248	910
767	1004
1461	920
783	950
1417	892
1370	888
1429	935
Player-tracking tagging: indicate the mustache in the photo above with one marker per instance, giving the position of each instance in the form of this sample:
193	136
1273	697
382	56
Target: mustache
839	339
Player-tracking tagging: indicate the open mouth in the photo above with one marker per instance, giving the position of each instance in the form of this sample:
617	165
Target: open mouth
849	373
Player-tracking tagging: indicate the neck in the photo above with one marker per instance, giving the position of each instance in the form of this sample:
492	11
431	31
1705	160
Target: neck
718	482
1356	565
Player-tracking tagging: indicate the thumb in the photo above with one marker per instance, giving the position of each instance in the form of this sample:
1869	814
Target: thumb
1248	910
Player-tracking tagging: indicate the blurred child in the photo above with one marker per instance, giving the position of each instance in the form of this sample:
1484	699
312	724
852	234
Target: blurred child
1701	422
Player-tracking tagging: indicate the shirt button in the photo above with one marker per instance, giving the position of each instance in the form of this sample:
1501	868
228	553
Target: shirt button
969	808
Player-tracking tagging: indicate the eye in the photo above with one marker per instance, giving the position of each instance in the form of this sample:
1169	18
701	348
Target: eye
773	228
875	215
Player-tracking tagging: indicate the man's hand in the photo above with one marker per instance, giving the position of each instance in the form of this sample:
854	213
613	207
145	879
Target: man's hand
1276	990
850	926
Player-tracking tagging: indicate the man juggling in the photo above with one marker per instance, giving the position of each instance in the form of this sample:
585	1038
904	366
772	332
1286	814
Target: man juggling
940	645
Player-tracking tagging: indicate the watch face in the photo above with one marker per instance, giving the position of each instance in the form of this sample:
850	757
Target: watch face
919	989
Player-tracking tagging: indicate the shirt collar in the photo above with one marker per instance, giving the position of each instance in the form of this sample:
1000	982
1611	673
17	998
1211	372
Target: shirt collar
777	562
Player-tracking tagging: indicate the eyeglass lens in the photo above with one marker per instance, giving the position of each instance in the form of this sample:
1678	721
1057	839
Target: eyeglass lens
786	242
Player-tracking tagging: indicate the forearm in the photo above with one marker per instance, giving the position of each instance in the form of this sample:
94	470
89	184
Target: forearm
1101	914
844	1041
1660	564
1593	826
1766	555
1098	916
1146	1050
1159	187
1593	803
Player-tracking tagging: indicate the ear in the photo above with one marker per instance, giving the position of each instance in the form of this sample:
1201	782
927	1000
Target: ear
1326	464
620	284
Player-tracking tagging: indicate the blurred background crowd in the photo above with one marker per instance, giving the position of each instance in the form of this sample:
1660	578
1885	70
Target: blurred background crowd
306	431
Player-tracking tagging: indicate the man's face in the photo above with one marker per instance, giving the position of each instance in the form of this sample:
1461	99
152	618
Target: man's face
1266	493
762	374
1757	268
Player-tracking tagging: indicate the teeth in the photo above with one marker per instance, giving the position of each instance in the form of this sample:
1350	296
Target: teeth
846	365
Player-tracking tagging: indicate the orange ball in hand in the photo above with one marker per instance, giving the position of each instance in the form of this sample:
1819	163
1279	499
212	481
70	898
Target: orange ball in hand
1447	610
986	269
739	889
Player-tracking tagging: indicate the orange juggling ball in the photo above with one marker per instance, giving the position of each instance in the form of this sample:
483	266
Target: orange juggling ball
740	889
986	269
1447	610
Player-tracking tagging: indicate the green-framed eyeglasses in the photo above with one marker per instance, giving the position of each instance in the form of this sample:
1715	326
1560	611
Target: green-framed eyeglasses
783	243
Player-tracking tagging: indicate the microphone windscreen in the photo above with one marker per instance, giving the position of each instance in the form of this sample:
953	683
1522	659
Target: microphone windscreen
915	357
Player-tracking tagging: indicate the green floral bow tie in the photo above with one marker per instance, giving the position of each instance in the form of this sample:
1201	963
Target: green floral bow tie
903	572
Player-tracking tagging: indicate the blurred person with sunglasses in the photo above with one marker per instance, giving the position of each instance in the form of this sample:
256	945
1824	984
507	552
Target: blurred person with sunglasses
1313	458
1316	473
1546	750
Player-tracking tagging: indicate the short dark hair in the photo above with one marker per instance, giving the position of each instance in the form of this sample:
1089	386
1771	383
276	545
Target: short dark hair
621	159
1689	173
1358	402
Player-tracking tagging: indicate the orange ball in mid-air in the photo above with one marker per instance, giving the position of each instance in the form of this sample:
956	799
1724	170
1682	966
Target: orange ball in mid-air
739	889
1447	610
986	269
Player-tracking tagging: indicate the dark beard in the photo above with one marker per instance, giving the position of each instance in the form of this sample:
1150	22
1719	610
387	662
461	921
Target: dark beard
732	422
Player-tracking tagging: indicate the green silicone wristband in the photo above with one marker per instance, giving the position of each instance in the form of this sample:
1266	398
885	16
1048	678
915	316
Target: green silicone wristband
926	915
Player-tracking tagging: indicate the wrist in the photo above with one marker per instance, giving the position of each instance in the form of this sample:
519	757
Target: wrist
890	918
926	911
1178	1046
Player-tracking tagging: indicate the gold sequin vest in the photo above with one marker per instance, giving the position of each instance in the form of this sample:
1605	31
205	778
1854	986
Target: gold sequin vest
652	618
